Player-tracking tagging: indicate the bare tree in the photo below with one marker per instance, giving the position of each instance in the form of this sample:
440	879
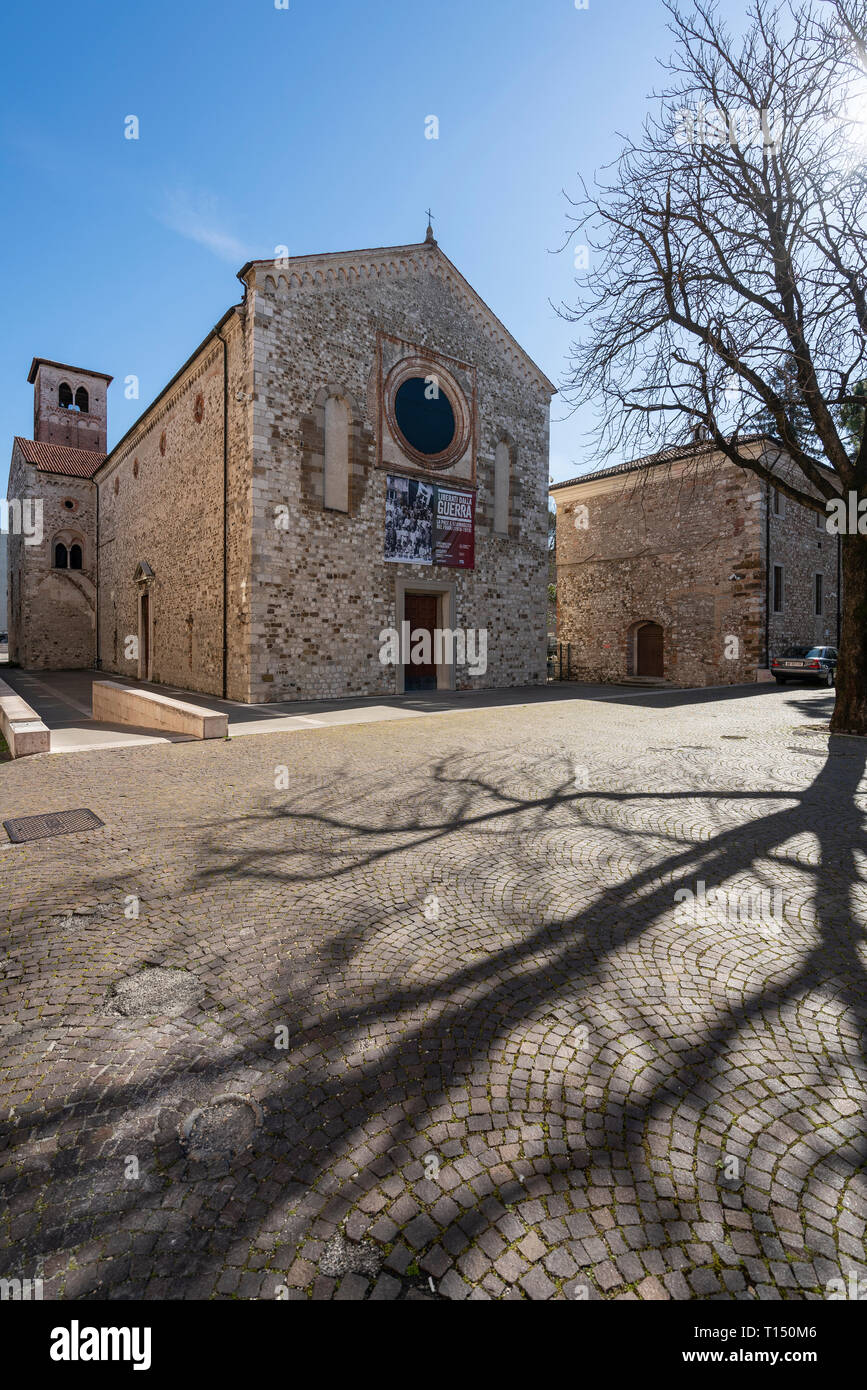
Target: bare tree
729	256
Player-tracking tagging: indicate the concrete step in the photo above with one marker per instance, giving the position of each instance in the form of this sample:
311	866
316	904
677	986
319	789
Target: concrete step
655	681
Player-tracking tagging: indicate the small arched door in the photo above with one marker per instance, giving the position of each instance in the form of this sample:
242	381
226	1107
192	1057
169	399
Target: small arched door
649	656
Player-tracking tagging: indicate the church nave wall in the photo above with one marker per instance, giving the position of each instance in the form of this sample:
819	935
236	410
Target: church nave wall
161	505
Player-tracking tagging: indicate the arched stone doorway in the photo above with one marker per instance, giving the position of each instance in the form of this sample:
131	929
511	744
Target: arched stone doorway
649	650
144	576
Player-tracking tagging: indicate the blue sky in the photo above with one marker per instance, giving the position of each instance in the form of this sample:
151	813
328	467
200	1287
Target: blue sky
302	127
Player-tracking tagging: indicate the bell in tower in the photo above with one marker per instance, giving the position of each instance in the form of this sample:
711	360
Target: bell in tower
69	405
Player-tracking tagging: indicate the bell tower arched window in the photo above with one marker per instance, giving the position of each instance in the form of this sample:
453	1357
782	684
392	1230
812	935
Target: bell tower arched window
82	400
64	395
61	556
75	557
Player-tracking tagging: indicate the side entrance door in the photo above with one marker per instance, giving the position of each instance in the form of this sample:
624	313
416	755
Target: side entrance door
420	611
650	655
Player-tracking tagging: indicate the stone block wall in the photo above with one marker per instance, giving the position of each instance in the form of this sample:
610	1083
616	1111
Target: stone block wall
52	612
662	544
4	565
161	504
322	591
54	424
801	544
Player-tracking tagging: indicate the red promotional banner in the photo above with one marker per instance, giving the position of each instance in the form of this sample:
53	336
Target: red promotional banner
455	529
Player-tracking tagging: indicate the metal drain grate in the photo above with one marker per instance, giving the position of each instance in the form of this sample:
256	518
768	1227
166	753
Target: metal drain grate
55	823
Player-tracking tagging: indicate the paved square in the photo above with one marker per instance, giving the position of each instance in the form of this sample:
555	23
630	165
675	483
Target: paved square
561	1000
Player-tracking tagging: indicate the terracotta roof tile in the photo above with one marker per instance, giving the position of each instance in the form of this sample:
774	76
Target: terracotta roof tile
60	458
670	455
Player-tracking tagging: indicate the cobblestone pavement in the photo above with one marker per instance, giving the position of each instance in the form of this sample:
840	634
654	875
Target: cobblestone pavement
474	1031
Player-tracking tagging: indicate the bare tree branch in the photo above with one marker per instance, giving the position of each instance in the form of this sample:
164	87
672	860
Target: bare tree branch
728	283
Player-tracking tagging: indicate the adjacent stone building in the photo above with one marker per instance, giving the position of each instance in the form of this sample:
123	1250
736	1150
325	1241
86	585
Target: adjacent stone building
682	567
359	444
51	518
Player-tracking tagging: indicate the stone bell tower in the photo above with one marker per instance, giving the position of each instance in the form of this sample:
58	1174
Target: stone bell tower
69	405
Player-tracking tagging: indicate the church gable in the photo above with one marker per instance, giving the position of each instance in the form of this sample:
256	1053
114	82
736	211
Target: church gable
424	261
431	383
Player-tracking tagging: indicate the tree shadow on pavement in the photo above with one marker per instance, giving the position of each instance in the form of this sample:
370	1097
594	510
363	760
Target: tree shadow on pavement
558	1045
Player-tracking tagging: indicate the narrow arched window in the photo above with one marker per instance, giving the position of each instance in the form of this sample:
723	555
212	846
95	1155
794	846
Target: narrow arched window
502	481
336	487
64	395
75	557
61	559
82	400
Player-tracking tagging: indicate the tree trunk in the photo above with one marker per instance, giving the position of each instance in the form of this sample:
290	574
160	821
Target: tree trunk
850	710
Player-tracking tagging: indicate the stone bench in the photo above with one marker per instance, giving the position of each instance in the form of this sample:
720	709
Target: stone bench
21	726
144	709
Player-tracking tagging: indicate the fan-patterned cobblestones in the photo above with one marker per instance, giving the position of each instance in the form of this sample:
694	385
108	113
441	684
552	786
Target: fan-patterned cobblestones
449	964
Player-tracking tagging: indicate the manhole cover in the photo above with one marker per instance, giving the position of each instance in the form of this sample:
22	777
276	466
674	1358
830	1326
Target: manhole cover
342	1256
222	1128
155	990
54	823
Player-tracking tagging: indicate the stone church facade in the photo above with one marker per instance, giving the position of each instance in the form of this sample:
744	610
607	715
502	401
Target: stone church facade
234	542
661	562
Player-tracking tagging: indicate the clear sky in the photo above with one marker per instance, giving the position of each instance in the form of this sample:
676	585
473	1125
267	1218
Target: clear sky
302	127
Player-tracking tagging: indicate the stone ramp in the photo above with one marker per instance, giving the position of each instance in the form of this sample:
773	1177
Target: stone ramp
61	700
20	725
125	704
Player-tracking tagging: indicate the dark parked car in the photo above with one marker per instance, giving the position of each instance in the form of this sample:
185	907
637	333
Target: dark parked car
806	664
